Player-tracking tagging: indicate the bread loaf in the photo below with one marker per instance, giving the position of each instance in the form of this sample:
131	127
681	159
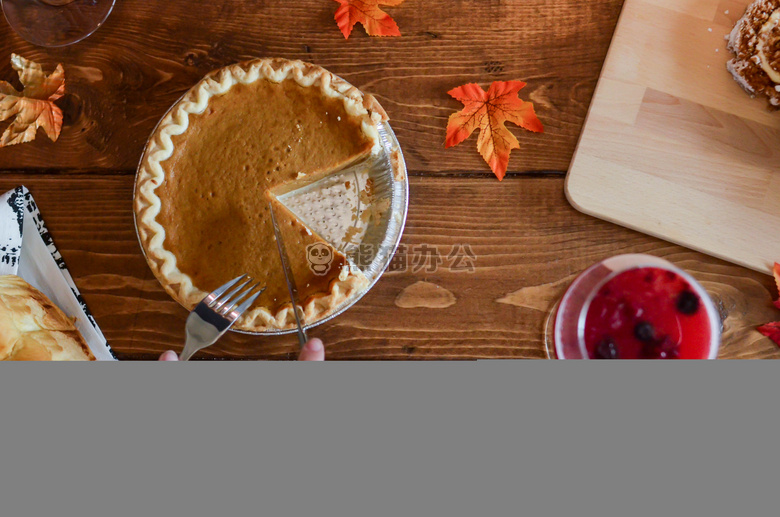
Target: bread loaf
32	328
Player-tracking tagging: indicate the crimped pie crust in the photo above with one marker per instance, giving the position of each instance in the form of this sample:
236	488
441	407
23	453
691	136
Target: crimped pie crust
151	175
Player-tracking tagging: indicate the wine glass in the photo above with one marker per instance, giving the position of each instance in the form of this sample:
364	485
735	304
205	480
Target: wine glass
56	23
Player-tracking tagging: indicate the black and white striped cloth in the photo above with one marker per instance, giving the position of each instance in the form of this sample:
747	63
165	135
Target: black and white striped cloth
27	250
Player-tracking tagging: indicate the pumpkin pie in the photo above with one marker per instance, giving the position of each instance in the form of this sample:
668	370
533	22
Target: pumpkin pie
219	157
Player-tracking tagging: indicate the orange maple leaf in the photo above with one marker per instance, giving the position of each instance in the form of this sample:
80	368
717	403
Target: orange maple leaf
488	111
776	272
375	20
34	106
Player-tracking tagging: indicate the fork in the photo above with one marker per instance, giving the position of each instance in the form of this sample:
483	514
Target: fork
213	316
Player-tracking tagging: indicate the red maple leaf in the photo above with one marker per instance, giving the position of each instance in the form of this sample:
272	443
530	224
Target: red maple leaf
772	331
375	20
488	111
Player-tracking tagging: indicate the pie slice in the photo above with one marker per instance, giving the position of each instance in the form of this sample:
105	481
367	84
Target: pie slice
216	160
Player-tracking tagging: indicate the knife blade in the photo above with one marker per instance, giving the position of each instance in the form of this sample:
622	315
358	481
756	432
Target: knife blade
288	276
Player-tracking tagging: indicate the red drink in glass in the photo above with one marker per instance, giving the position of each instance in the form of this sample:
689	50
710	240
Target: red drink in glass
636	307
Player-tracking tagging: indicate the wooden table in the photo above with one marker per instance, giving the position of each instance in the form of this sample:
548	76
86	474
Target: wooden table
527	240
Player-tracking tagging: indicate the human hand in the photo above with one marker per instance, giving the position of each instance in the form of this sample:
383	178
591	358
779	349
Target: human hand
313	350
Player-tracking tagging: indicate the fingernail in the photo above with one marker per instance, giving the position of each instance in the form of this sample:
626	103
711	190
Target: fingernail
314	345
169	355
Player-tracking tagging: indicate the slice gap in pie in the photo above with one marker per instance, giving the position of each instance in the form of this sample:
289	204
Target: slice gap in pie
345	209
236	140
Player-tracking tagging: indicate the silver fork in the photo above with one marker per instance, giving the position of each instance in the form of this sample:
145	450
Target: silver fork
216	314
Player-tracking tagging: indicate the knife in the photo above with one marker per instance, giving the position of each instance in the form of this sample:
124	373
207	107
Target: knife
288	276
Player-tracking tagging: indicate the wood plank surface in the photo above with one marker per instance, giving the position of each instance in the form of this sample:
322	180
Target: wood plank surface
528	243
124	78
673	146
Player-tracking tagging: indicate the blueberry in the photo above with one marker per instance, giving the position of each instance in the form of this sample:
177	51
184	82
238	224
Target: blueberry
606	350
688	303
644	332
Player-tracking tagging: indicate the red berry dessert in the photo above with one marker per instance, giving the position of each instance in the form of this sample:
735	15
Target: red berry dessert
647	313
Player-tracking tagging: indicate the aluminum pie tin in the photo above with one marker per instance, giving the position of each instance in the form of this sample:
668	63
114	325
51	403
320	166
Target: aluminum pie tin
391	186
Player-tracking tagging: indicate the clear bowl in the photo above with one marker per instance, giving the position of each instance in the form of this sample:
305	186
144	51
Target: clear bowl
565	334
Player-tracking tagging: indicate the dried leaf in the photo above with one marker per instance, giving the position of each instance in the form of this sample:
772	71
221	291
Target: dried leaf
776	272
488	112
772	331
375	20
34	106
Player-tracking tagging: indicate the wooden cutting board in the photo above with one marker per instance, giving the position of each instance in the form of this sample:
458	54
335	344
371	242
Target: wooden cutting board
672	146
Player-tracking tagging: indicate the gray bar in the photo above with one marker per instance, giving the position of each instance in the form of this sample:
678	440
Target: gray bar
377	439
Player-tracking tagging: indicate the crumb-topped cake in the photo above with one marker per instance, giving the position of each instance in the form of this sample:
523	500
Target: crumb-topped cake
216	160
755	42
